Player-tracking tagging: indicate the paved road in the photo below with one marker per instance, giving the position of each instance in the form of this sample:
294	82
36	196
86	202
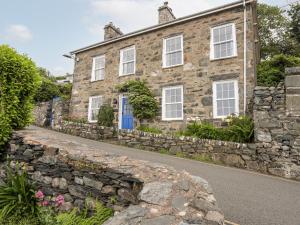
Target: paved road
246	198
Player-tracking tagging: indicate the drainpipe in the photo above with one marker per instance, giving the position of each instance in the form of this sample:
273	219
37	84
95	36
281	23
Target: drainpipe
245	57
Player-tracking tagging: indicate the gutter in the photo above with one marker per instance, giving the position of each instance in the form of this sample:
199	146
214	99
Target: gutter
156	27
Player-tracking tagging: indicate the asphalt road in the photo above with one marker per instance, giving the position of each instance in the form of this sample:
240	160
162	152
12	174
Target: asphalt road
246	198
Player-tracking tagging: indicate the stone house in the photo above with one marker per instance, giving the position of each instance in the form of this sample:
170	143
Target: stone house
197	66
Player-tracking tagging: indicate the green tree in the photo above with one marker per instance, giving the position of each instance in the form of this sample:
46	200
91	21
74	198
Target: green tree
294	13
273	31
19	79
47	90
272	71
141	98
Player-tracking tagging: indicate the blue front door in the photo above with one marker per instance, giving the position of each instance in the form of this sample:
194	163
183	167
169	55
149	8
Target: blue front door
127	115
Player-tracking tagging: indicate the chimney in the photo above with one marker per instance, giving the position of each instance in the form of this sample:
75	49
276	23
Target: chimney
111	31
165	14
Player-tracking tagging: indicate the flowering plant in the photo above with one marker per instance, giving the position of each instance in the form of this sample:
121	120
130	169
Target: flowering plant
42	201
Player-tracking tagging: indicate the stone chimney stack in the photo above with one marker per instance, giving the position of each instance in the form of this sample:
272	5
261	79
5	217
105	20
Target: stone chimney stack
111	31
165	14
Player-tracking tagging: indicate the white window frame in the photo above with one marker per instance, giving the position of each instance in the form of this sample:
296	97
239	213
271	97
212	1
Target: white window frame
165	51
212	44
93	76
121	61
164	102
236	97
90	107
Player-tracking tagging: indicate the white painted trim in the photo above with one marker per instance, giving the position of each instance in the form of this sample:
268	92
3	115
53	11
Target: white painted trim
212	45
93	77
160	26
165	51
236	97
121	61
90	107
164	104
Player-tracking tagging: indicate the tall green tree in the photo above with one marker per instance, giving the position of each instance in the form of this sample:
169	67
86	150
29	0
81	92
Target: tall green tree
19	79
273	31
294	14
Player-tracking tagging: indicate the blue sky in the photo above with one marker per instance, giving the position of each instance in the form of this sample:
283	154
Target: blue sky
47	29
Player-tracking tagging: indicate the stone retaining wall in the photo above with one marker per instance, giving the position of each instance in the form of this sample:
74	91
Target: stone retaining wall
142	192
85	130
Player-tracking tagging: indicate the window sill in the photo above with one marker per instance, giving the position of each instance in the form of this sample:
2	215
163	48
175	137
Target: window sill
229	57
93	81
124	75
169	67
172	119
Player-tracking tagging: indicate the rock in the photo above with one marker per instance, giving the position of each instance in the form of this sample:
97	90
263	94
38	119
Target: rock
162	220
90	202
78	180
127	195
63	183
156	192
77	191
68	198
92	183
28	152
37	176
203	205
66	207
108	190
131	213
55	182
203	183
206	101
179	202
47	180
215	216
263	136
183	185
175	149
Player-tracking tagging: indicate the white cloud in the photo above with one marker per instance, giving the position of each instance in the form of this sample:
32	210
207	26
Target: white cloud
18	32
131	15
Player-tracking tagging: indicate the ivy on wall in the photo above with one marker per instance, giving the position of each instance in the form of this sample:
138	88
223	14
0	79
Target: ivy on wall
141	98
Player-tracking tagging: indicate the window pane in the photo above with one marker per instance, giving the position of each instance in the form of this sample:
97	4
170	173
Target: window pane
174	58
99	63
173	44
222	34
219	90
225	101
217	51
128	68
216	34
229	32
128	55
173	103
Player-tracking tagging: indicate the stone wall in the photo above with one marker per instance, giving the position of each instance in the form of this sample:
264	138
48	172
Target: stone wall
141	192
85	130
42	113
277	126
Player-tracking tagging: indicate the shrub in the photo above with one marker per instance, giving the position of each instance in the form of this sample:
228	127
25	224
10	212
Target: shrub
65	91
100	215
106	116
19	80
17	195
204	131
272	71
239	129
140	97
148	129
47	91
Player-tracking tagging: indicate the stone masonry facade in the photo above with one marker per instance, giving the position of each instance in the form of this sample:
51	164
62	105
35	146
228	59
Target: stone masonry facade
196	75
140	192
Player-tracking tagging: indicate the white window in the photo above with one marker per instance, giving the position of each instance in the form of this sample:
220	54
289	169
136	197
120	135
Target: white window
98	71
127	61
173	51
226	99
172	103
223	42
95	103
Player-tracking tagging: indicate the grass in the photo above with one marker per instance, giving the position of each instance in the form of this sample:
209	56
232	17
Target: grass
148	129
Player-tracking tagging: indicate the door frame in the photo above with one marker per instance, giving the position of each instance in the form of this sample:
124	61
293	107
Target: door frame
121	96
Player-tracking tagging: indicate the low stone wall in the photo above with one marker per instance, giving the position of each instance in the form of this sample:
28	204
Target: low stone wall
141	192
85	130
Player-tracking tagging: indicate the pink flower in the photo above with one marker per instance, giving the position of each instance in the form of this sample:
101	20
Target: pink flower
45	203
59	200
39	195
